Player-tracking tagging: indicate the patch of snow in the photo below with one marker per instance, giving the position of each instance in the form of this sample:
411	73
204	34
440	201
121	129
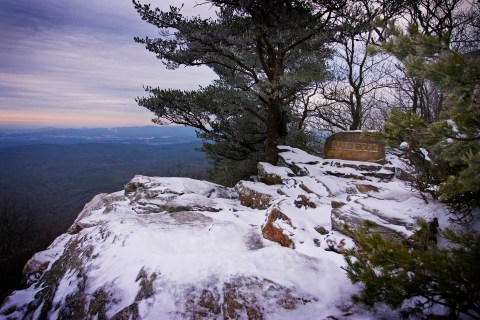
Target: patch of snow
455	129
404	145
425	154
279	171
453	125
294	155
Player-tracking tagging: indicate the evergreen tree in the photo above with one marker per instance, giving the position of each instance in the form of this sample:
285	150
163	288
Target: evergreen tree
417	275
264	52
453	141
434	50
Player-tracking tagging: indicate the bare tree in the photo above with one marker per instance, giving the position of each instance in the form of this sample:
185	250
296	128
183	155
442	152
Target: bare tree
351	99
454	24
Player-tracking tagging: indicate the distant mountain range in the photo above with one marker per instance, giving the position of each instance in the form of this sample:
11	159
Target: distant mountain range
150	135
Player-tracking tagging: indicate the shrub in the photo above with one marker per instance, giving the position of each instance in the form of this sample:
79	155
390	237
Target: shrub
418	275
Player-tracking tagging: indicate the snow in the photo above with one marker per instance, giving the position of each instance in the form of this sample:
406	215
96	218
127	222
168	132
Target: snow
207	240
455	129
279	171
294	155
425	154
454	126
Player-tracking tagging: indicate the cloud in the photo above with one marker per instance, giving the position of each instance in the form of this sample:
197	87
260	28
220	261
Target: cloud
66	60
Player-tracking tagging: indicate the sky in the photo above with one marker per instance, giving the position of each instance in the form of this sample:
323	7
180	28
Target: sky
74	63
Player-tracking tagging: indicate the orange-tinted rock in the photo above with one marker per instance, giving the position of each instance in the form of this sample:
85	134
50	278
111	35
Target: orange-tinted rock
365	188
273	232
353	146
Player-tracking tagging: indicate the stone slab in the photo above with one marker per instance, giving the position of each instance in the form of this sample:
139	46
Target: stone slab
354	146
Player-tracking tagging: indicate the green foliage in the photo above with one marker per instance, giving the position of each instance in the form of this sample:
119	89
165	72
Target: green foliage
404	126
264	53
419	276
456	139
228	172
453	141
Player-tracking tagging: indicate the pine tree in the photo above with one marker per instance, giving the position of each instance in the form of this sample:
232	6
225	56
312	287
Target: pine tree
264	52
417	275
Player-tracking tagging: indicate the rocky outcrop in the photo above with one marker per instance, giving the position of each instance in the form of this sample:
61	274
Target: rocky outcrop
366	188
147	195
344	219
242	297
304	201
178	248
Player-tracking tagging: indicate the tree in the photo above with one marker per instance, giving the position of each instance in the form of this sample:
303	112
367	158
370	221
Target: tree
434	26
264	53
437	55
421	274
360	78
424	275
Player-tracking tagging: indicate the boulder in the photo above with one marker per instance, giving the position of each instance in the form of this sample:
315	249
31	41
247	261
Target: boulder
337	204
354	146
321	230
271	231
254	195
271	174
304	201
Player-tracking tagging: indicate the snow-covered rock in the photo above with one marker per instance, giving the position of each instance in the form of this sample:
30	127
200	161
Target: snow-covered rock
273	231
271	174
256	195
177	248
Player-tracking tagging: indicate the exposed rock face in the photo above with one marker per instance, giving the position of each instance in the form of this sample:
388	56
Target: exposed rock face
254	195
177	248
353	146
270	174
303	201
359	170
366	188
342	219
242	297
148	195
321	230
273	232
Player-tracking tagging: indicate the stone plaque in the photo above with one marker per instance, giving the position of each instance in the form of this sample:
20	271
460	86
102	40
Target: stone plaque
354	146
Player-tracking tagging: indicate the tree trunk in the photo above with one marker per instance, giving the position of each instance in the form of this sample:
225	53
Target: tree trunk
356	110
274	122
415	97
